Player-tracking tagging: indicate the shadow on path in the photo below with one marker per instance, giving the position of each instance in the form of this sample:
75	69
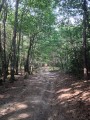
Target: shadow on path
46	96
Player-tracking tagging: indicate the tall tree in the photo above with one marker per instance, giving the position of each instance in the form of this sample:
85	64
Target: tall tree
4	42
85	39
19	39
13	57
29	53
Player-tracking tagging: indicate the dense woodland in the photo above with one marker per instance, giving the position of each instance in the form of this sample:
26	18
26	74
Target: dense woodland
35	32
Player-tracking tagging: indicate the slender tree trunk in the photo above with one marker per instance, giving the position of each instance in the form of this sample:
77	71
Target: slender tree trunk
26	65
27	59
85	39
18	49
22	58
0	52
29	54
1	5
0	40
18	53
13	57
4	45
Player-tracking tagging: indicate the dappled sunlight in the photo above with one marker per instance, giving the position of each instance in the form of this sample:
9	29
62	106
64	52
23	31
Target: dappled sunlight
33	102
23	115
73	96
16	111
69	95
78	86
12	108
20	116
21	106
63	90
46	97
6	110
86	96
4	96
77	89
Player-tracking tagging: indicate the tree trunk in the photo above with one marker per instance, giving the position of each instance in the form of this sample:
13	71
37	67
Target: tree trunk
18	52
18	48
27	59
0	40
21	58
13	57
85	69
4	44
1	5
0	52
29	55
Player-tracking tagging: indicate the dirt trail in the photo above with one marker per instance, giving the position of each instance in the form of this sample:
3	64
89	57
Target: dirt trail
44	96
35	100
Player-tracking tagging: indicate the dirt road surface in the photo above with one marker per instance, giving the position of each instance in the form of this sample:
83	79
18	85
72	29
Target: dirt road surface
45	96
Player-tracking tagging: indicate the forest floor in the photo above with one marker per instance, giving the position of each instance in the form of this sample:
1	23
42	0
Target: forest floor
45	96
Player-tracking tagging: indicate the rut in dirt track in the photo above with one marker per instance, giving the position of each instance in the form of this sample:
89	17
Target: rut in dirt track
40	94
36	100
47	96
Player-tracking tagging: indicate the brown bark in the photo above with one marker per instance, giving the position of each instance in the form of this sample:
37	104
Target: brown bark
0	40
13	57
29	54
18	48
0	52
27	59
21	58
4	44
18	52
85	69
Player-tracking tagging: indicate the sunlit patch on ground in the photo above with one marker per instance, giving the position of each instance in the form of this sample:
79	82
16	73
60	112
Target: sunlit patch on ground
74	97
66	96
63	90
20	106
23	115
7	109
12	108
46	96
4	96
20	116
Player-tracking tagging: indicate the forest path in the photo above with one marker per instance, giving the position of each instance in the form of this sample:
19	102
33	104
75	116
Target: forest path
44	96
34	102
